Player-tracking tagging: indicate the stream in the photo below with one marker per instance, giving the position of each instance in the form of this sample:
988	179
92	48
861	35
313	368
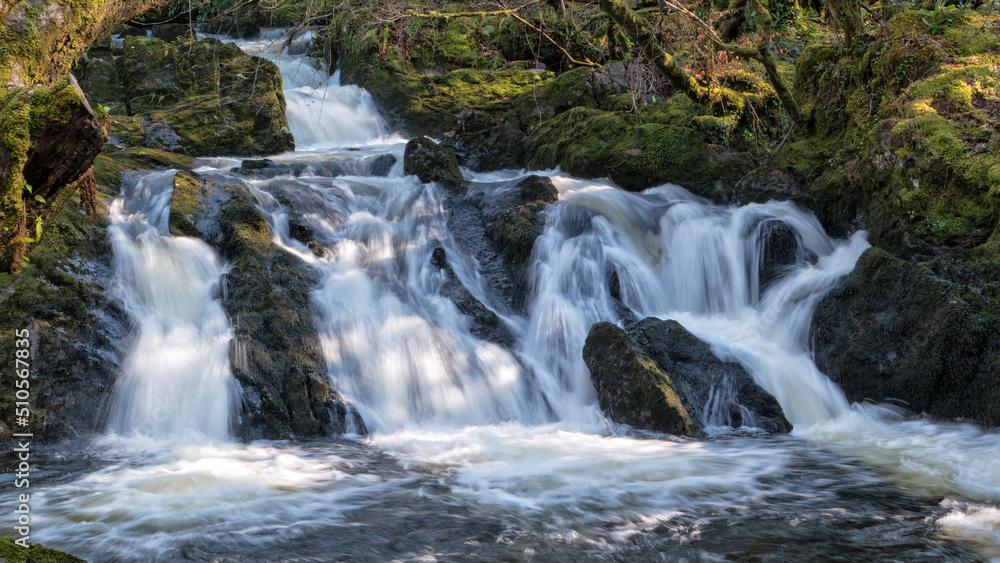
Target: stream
477	452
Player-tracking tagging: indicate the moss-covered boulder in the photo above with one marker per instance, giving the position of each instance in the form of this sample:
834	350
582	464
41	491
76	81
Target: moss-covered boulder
203	98
276	353
593	143
899	330
14	553
714	392
432	162
631	388
214	99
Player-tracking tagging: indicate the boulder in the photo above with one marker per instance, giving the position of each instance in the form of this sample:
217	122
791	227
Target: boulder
493	148
631	388
431	162
894	329
717	393
275	355
778	248
204	98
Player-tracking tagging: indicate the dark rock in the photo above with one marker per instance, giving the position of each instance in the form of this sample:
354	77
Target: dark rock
615	285
381	165
484	324
473	121
264	168
630	387
496	148
712	390
172	32
432	163
894	329
256	163
778	249
510	216
276	351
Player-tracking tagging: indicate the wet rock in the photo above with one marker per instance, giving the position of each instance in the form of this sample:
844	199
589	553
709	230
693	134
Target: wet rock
899	330
631	388
495	148
778	249
276	353
513	218
484	324
715	392
381	165
432	163
498	224
217	100
264	168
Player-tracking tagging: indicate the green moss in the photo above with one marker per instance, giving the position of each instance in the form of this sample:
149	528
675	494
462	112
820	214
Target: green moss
54	104
186	204
13	553
593	143
430	104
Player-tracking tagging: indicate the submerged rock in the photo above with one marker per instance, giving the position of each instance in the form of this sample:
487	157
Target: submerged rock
432	163
630	386
894	329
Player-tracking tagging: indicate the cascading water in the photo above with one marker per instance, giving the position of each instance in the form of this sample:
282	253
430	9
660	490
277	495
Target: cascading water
176	381
677	256
321	113
481	452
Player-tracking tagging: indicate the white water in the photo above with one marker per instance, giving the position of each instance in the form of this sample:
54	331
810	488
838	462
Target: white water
176	381
517	435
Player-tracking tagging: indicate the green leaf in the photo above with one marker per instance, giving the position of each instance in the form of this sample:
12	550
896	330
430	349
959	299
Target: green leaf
38	228
39	199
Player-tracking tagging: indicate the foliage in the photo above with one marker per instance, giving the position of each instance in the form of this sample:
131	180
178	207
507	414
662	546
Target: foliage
942	16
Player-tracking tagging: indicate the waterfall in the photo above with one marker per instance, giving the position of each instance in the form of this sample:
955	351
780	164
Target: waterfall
321	113
486	452
176	381
678	256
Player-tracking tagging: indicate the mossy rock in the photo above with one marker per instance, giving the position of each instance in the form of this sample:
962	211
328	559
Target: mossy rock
14	553
432	163
593	144
214	99
276	354
631	388
894	329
